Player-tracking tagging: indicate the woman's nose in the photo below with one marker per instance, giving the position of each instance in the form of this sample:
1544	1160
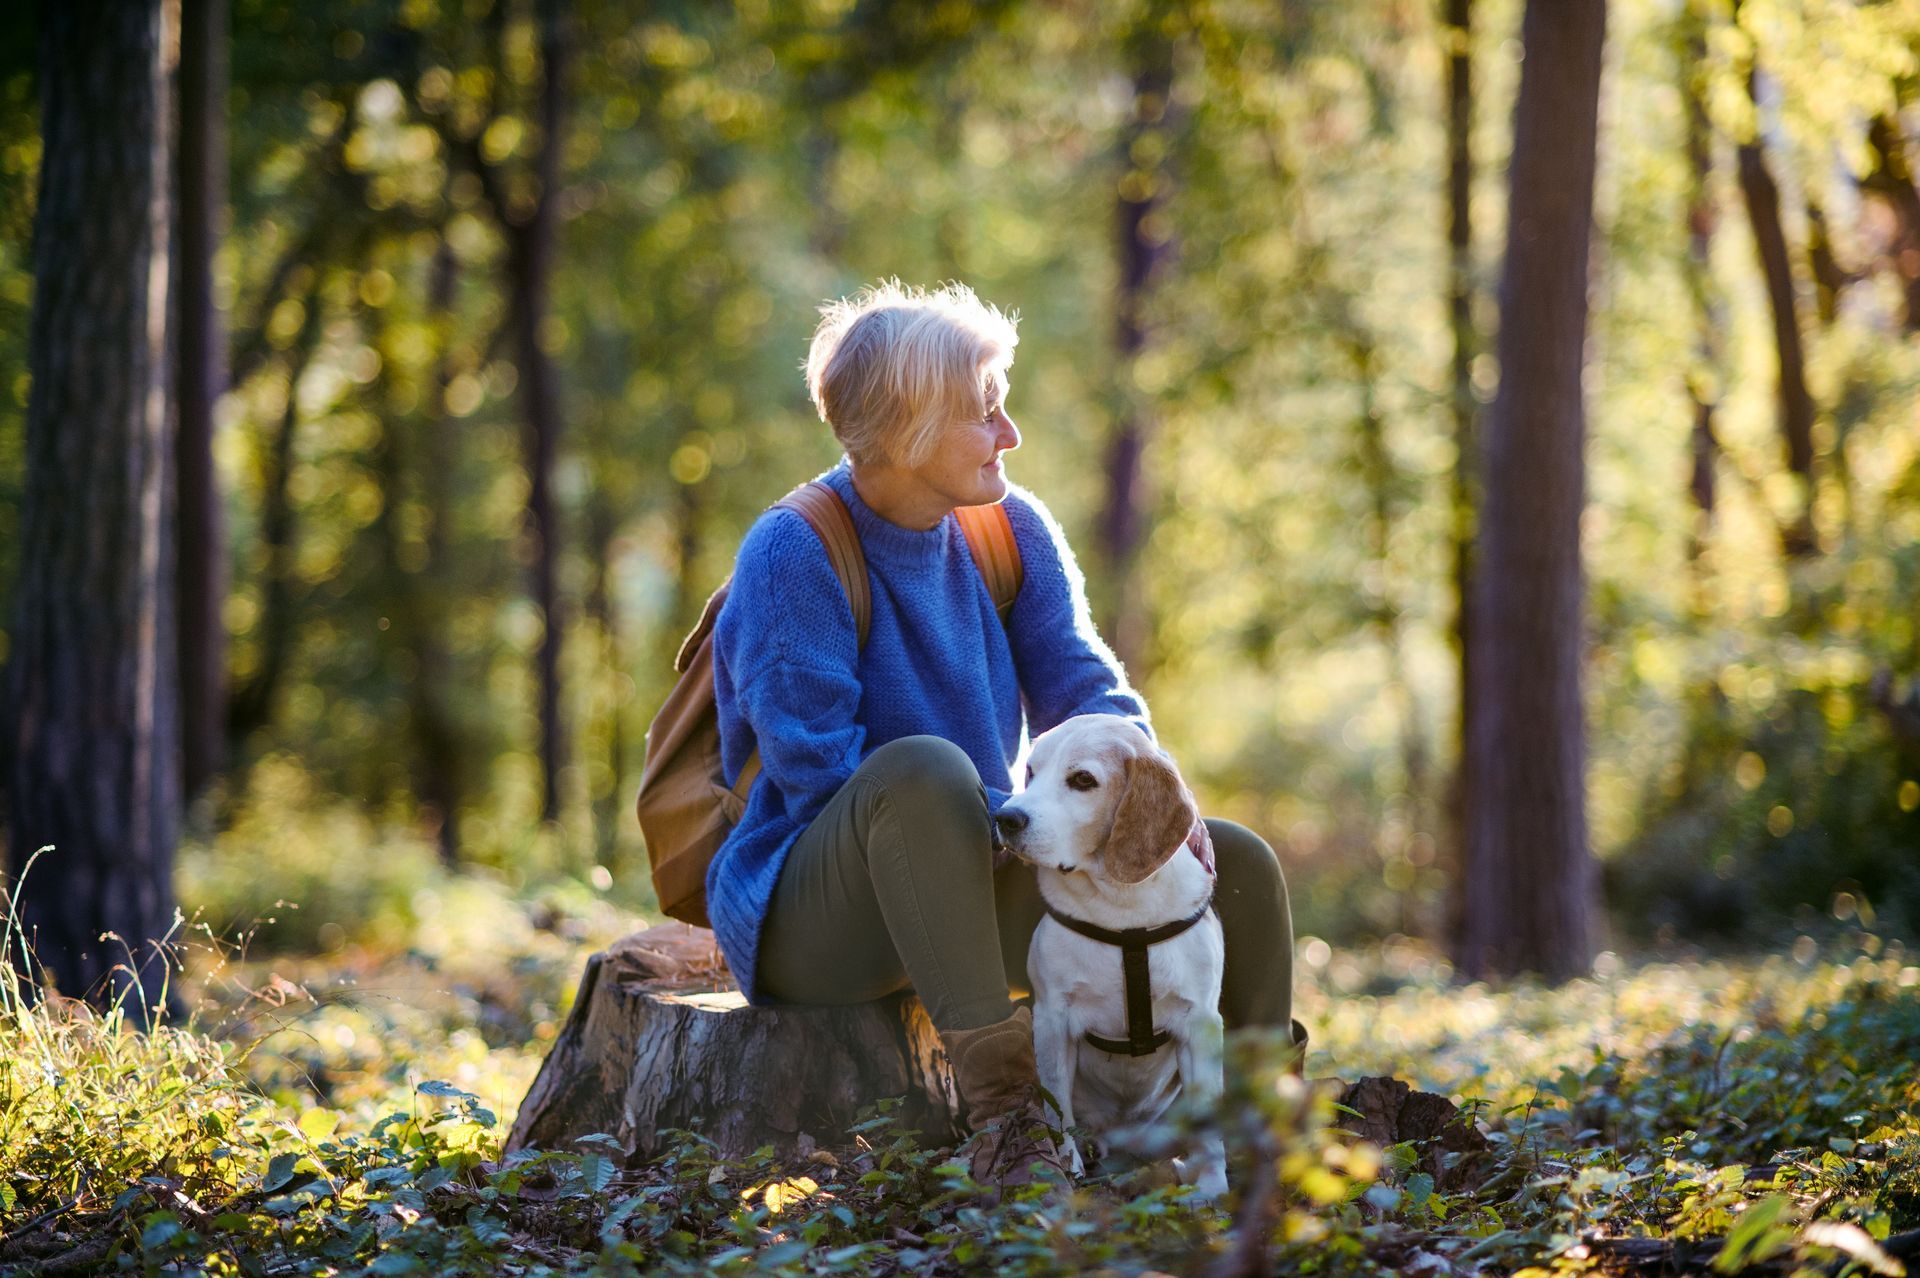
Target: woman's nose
1009	436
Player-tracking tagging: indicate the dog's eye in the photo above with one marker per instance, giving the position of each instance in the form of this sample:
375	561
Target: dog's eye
1081	780
1029	774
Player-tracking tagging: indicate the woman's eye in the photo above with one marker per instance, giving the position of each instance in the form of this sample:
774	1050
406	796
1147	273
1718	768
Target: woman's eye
1081	781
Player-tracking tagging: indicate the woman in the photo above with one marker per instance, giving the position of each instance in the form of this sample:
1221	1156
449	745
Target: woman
862	863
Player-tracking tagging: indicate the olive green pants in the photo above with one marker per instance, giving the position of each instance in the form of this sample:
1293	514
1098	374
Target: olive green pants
893	886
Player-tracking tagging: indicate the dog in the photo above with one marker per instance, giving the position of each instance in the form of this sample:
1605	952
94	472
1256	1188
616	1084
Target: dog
1126	874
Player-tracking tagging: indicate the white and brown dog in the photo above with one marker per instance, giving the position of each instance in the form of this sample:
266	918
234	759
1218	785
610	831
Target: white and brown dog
1126	967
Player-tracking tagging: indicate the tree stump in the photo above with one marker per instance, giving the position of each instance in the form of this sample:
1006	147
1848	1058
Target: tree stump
659	1038
1388	1111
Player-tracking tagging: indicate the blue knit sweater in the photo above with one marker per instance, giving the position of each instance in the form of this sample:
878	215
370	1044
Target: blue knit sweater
791	678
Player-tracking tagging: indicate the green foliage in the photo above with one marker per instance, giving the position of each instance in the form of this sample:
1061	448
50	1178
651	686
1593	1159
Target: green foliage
1804	817
1755	1109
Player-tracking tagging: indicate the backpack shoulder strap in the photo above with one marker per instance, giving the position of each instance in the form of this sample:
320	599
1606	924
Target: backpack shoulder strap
821	507
989	534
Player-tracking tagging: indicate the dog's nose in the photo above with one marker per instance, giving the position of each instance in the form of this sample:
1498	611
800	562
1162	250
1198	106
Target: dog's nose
1007	823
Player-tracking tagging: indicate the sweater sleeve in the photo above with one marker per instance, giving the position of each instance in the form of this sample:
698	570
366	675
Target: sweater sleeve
1065	668
787	659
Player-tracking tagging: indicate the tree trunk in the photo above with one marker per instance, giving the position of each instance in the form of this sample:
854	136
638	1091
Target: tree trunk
1466	343
531	253
252	703
1530	878
1762	196
657	1041
689	595
436	736
826	228
93	684
1830	279
202	378
1704	377
606	803
1144	246
1376	465
1892	180
410	451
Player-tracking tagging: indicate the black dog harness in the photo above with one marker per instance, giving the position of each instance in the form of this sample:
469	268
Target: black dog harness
1142	1038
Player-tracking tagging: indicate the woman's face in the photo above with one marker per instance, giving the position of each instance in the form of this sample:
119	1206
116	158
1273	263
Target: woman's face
965	469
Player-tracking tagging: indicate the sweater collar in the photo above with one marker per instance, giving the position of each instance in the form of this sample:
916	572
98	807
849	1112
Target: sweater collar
880	538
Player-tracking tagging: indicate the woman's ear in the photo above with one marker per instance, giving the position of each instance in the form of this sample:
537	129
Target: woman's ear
1155	814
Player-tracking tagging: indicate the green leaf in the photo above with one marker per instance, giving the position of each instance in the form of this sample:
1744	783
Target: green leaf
783	1253
279	1171
1756	1236
160	1229
1384	1197
486	1228
597	1170
601	1139
317	1124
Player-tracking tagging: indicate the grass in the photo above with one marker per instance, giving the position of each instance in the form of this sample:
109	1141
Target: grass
342	1112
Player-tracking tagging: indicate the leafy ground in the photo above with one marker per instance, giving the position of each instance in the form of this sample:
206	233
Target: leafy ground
342	1113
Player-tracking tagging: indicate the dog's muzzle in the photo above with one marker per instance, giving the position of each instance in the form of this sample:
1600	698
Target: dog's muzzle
1006	826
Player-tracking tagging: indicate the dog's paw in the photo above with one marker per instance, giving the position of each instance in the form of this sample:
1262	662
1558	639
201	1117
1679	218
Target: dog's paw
1070	1151
1212	1182
1206	1171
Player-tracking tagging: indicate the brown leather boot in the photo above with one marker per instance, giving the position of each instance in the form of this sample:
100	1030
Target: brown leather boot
1000	1092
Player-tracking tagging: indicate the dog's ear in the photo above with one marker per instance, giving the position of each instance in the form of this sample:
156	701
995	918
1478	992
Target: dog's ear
1153	819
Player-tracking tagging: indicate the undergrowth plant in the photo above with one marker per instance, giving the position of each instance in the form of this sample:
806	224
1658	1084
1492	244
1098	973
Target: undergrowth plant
1729	1116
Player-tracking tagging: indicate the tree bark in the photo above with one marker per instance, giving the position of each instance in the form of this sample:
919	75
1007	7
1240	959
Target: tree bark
201	379
412	455
1466	343
689	534
1892	180
1704	377
251	706
1762	196
606	804
1830	279
1530	877
531	250
436	735
1144	248
1376	465
657	1041
93	685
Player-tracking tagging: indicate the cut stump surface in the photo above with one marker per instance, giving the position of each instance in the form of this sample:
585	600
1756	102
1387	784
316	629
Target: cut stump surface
659	1038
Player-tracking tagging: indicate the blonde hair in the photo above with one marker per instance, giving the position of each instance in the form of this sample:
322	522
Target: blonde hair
892	367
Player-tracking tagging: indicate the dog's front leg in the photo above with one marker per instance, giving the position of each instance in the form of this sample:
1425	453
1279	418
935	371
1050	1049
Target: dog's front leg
1053	1060
1201	1050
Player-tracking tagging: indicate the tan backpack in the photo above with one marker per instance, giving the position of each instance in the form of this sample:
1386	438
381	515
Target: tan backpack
686	807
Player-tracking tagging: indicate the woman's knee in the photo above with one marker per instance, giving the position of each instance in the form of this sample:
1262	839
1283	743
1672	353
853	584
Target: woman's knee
928	779
1247	863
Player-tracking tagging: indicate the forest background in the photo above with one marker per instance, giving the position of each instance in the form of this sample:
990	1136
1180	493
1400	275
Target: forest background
384	384
508	360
